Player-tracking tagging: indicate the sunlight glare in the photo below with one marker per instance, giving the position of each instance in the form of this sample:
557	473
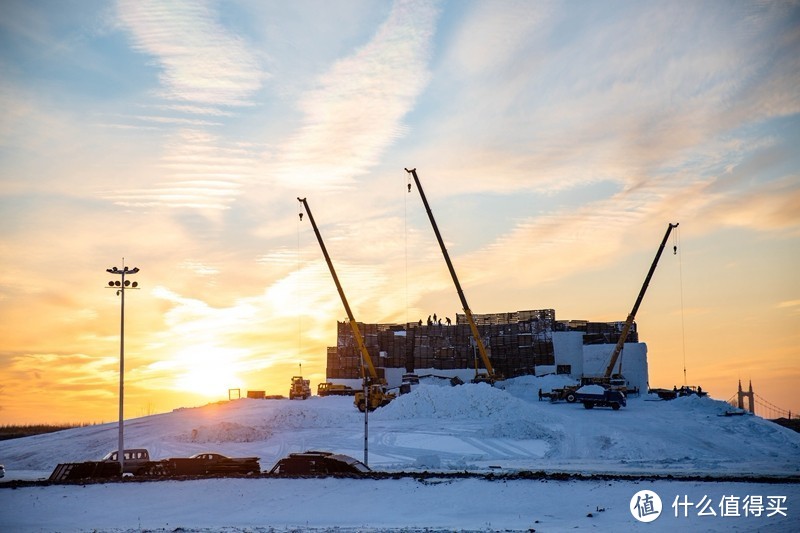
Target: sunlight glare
208	370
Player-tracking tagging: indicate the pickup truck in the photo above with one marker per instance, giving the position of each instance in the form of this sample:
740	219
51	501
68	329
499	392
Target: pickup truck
137	463
596	396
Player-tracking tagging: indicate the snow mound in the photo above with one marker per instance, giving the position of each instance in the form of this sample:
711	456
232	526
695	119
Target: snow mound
224	432
591	389
311	414
470	401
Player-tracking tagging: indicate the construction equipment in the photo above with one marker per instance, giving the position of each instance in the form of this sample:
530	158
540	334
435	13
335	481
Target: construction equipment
375	393
480	377
334	389
300	388
629	321
609	379
675	392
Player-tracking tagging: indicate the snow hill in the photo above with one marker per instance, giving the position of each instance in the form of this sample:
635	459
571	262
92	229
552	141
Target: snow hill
435	428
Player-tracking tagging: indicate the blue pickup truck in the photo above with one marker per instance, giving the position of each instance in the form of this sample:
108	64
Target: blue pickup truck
596	396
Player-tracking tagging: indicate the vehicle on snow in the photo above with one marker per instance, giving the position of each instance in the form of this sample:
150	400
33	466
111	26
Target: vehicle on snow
300	388
137	463
596	396
316	462
334	389
209	463
136	460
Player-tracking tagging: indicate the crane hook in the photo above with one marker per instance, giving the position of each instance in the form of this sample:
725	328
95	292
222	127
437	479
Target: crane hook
301	216
409	186
675	250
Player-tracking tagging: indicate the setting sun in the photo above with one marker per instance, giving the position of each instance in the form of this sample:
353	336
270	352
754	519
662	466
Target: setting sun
207	370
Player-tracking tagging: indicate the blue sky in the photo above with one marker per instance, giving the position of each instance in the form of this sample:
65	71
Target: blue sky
555	141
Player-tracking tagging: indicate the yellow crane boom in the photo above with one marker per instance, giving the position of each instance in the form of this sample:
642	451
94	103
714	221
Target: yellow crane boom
353	325
632	315
472	326
375	393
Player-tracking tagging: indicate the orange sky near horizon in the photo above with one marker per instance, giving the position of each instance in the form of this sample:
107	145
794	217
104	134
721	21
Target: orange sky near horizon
555	142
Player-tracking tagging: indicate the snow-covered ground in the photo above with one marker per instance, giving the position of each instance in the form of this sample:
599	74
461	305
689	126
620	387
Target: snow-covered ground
473	428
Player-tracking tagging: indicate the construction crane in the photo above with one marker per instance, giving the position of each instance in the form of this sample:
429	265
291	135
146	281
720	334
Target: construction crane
489	376
375	392
608	374
609	379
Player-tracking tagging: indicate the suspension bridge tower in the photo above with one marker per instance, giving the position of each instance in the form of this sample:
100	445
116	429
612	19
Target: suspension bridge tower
749	395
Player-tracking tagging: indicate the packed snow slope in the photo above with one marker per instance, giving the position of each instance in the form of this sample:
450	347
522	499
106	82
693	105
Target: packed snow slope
442	428
471	427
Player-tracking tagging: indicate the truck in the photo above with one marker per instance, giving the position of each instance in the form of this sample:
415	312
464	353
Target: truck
300	388
137	463
597	396
334	389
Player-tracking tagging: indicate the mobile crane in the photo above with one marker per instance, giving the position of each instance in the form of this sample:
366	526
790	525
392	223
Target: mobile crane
480	377
607	375
374	393
609	378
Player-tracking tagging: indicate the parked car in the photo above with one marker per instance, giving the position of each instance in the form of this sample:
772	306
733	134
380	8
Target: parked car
315	462
2	471
216	463
136	461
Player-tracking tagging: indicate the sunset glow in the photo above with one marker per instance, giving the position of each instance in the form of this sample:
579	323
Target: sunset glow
555	140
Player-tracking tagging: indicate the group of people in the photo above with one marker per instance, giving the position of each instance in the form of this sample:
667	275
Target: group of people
432	319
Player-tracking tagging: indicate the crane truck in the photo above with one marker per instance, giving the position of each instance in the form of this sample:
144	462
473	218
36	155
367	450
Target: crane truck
375	393
608	375
610	379
490	376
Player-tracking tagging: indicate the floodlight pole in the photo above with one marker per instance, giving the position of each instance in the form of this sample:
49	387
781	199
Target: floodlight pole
121	286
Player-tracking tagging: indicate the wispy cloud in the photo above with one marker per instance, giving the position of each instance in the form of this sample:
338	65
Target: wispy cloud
357	110
201	62
198	170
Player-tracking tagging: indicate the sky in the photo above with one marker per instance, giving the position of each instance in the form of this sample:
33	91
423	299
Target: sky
555	142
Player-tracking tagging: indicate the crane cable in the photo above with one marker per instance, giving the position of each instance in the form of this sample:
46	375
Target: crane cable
676	241
405	236
297	291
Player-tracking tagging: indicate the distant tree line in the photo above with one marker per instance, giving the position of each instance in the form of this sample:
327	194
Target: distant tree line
19	431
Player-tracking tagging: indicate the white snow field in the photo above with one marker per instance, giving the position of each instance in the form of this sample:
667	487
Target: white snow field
473	428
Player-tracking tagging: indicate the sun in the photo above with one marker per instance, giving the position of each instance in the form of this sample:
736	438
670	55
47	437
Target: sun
207	370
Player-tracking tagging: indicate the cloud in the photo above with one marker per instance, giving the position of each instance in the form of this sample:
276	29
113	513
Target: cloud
205	70
505	29
200	61
355	113
198	170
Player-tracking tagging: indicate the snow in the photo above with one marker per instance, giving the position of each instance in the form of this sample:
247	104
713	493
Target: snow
474	428
591	389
